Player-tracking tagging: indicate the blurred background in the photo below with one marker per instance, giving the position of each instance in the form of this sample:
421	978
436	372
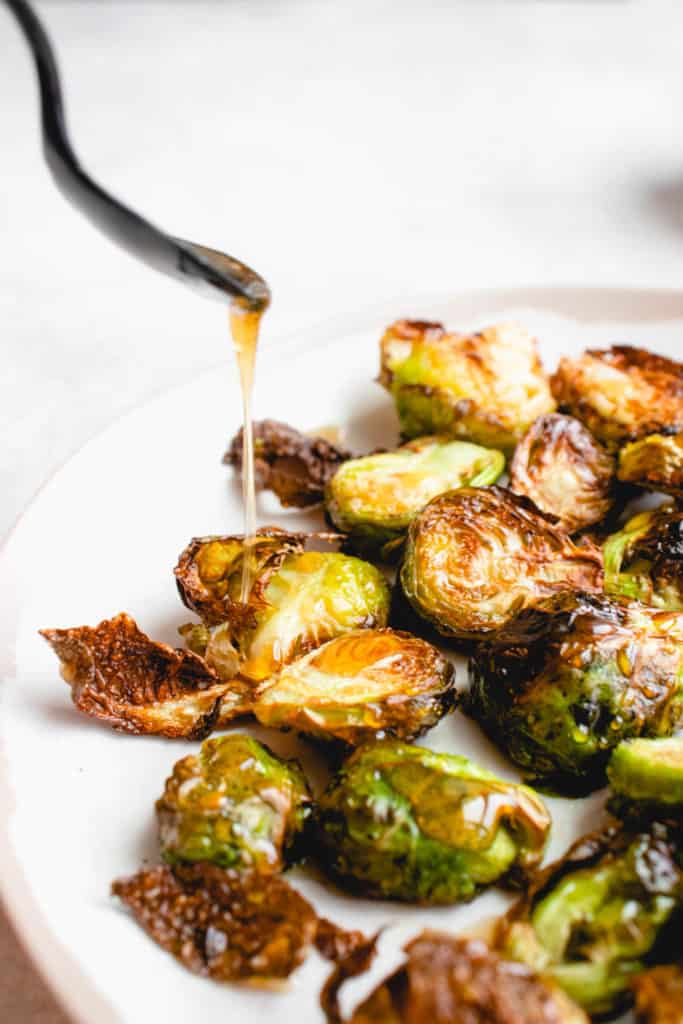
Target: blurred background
358	153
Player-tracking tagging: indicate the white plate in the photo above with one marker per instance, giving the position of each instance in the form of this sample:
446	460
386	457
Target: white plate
102	537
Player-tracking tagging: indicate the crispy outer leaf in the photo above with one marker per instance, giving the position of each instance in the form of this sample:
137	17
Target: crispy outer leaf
447	979
120	676
565	471
229	926
294	466
621	393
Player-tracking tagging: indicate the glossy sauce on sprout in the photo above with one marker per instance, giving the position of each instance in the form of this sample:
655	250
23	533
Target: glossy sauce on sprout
244	328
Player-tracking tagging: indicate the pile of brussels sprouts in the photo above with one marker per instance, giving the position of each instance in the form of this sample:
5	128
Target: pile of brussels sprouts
499	529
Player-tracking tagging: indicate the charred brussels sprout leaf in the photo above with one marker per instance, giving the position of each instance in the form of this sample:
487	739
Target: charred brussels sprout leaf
402	822
120	676
361	685
486	387
299	599
659	995
655	463
234	804
621	393
226	925
644	560
484	564
565	472
646	776
446	979
603	674
374	499
292	465
594	919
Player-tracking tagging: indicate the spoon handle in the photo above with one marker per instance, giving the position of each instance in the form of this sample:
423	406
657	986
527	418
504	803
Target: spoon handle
185	261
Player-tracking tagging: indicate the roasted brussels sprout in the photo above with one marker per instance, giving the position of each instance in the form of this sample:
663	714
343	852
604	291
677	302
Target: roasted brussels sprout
484	564
117	674
235	804
655	463
646	777
451	980
299	599
594	919
621	393
402	822
226	925
604	673
361	685
374	499
565	472
644	560
485	387
292	465
659	995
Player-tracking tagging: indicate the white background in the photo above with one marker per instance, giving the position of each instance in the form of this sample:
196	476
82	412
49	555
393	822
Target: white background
355	152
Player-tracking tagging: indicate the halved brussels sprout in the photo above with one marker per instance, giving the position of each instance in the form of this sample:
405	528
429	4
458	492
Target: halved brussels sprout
293	465
374	499
485	387
655	463
603	674
621	393
225	925
450	980
594	919
298	600
121	677
644	560
565	472
361	685
235	804
646	776
659	995
401	822
485	564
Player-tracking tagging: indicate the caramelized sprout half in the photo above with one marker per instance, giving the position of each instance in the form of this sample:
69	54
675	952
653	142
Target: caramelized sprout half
565	472
361	685
594	919
621	393
485	387
402	822
485	564
298	600
644	560
603	674
235	804
655	463
374	499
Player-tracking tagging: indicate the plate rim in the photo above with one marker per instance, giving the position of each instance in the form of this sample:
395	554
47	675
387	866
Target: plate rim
74	991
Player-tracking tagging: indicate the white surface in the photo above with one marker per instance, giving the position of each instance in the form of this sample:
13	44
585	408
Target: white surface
353	151
102	537
373	150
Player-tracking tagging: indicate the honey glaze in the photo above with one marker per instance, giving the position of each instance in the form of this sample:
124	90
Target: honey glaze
245	322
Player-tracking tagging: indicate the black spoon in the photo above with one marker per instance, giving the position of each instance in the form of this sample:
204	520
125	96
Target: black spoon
218	274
